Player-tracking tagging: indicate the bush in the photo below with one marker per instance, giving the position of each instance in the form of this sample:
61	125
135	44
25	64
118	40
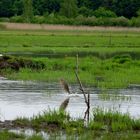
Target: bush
135	22
2	19
120	21
80	20
18	19
85	11
102	12
38	19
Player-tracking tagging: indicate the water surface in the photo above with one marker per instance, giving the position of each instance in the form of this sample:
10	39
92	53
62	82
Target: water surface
25	99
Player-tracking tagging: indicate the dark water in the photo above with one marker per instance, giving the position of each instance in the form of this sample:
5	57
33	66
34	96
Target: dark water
25	99
134	55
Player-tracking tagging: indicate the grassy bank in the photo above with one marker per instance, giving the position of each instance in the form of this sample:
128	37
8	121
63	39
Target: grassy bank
116	72
103	124
108	59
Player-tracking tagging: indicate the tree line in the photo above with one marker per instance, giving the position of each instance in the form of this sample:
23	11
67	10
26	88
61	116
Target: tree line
72	12
70	8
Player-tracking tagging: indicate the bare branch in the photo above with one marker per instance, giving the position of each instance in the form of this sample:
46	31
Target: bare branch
81	88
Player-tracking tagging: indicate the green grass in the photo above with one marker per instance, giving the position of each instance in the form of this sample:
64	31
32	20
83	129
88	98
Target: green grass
103	123
5	135
62	47
70	43
105	120
114	121
109	73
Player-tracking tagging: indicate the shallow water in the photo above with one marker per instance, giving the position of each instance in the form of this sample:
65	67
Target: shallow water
25	99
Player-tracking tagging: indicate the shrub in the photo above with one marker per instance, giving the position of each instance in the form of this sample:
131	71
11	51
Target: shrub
120	21
4	19
102	12
85	11
38	19
18	19
135	22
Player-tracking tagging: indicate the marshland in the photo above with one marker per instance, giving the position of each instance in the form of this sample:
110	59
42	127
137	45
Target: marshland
31	66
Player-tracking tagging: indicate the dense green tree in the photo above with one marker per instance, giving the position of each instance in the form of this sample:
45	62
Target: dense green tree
69	8
126	8
138	13
28	10
46	6
102	12
6	8
18	7
85	11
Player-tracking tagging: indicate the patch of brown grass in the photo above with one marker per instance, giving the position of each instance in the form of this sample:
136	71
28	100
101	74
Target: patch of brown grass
27	26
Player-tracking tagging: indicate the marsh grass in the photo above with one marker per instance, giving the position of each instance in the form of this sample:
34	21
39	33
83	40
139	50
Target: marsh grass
5	135
101	120
113	97
35	137
105	124
114	120
57	118
117	68
109	73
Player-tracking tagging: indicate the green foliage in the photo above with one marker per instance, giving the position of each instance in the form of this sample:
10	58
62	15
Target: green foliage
17	19
69	8
126	8
113	66
5	135
138	13
121	59
135	22
35	137
114	121
57	118
102	12
4	19
28	10
85	11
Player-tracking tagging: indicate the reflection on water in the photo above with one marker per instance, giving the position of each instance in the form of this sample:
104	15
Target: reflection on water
18	99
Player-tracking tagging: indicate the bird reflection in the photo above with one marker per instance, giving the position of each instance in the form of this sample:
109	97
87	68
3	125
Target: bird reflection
64	104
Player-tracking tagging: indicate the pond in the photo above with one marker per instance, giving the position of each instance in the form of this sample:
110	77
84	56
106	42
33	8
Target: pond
26	98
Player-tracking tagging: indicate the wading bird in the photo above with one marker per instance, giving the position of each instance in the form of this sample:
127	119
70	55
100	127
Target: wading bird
65	85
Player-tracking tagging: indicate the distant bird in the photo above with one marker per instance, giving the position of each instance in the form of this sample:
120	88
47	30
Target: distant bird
65	85
64	104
